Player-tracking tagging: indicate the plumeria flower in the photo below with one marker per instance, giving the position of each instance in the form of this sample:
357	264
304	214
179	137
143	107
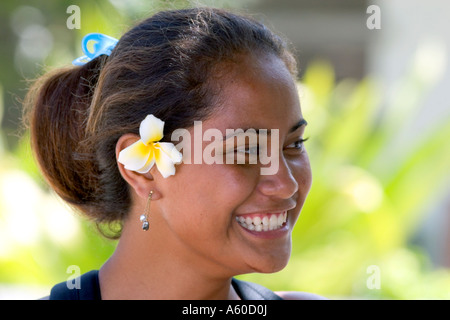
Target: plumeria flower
144	153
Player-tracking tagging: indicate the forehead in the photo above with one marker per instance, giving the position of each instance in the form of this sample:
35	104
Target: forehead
257	92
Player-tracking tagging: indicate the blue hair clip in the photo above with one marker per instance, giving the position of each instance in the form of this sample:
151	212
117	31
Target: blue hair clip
103	44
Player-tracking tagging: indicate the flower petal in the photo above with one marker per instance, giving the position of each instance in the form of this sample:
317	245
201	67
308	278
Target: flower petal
150	162
170	149
151	129
136	156
166	157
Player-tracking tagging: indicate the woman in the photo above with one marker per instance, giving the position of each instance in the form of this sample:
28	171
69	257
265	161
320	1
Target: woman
104	136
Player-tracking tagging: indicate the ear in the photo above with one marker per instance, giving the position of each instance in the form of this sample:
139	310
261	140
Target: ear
141	183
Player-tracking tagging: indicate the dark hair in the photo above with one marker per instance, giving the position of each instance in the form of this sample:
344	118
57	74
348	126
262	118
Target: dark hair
162	66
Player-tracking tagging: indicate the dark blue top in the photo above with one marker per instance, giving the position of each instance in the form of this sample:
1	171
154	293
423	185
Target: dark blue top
90	290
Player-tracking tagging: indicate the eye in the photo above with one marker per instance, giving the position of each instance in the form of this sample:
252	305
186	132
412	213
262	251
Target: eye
246	154
297	145
248	149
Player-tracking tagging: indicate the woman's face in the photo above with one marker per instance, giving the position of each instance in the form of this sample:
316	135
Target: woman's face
230	218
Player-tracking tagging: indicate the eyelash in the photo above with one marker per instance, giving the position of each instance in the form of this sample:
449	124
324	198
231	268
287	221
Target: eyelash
298	146
299	143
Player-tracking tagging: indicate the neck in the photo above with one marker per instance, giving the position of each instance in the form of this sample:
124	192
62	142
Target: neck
146	267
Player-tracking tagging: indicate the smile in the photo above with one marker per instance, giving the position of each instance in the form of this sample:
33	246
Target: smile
263	222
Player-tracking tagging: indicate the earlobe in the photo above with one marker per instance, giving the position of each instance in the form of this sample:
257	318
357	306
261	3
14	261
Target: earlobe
139	182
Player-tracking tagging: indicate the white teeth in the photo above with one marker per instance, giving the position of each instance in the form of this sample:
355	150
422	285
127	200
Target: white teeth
280	219
265	223
273	222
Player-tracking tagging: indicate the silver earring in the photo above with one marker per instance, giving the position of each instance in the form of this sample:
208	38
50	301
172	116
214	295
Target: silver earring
144	216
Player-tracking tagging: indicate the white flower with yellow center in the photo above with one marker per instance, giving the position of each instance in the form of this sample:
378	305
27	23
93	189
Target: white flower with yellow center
144	153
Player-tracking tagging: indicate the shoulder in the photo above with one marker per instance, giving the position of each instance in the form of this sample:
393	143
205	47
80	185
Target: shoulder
297	295
84	287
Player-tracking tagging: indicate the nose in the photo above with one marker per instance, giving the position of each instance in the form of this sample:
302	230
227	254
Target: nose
280	184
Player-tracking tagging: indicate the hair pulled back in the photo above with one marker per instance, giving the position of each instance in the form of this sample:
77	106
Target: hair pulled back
162	66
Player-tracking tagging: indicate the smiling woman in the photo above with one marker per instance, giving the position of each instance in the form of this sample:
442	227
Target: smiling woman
99	128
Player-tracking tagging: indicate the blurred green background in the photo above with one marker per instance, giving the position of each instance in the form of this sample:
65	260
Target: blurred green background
369	228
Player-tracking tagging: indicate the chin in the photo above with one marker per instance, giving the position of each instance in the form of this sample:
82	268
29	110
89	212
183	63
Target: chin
274	266
270	263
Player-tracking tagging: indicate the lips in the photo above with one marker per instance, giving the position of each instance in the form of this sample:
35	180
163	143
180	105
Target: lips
262	222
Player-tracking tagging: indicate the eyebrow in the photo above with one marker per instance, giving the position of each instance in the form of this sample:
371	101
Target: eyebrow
298	125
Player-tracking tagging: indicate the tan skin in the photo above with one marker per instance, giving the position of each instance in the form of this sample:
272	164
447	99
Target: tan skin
194	245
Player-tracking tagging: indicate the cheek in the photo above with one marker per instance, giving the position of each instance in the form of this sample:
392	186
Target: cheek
207	195
302	172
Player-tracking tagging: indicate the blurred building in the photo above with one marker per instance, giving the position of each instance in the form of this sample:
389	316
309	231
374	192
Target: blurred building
332	30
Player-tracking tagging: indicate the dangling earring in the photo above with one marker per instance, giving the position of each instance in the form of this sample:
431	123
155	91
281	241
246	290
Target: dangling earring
144	216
